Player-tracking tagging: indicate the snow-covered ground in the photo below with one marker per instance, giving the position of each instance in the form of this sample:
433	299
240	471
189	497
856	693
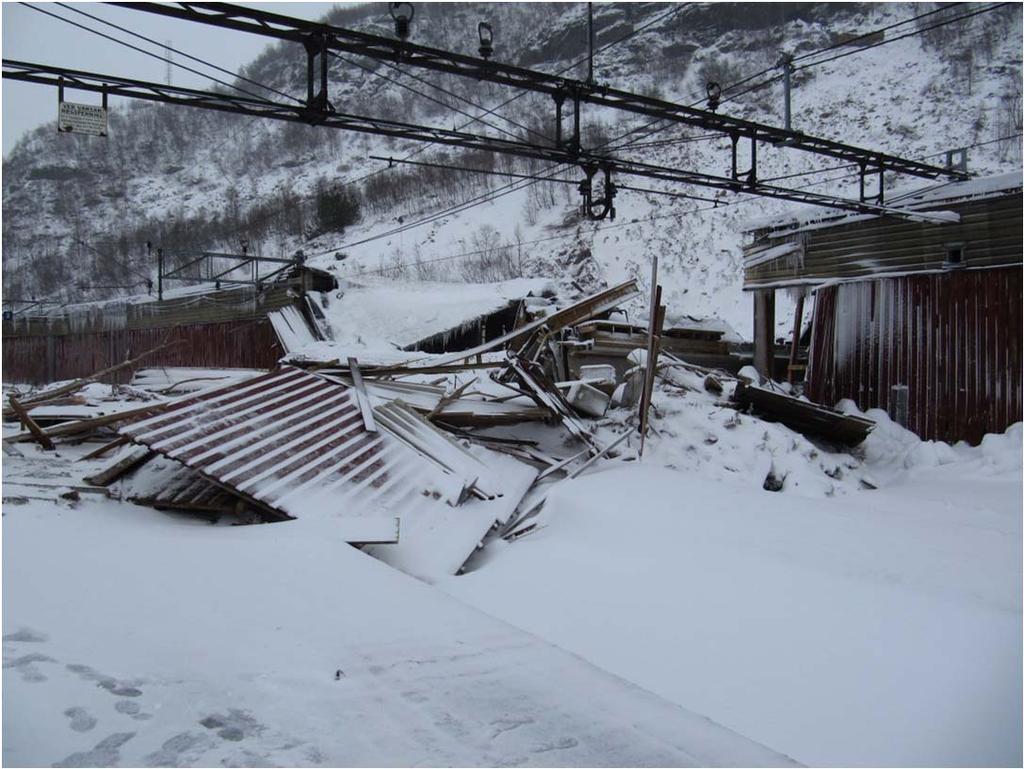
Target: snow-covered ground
878	629
833	623
139	638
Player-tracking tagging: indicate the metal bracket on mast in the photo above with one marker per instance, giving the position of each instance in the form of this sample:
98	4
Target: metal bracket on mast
572	145
603	207
748	177
878	197
318	106
956	160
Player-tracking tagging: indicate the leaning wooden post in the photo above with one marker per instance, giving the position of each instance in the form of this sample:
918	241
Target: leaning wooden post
37	432
653	310
798	318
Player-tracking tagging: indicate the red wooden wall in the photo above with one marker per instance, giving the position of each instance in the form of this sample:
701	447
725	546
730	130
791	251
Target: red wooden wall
241	343
954	338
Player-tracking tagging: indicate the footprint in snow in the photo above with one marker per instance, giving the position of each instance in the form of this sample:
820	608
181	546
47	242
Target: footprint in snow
181	750
112	685
133	709
81	720
235	726
25	665
105	753
25	635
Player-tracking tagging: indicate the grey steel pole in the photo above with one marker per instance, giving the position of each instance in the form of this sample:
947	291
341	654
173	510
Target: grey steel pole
786	62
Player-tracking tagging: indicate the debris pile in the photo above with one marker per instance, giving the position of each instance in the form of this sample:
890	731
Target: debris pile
418	462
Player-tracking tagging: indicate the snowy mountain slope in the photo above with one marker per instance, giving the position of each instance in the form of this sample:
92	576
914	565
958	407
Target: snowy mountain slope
188	179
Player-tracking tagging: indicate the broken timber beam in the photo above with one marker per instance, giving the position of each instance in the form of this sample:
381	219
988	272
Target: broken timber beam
448	399
653	345
574	313
35	430
84	425
78	384
119	441
550	398
107	475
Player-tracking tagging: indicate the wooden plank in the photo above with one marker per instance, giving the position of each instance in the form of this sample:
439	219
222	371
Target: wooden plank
447	400
365	408
804	417
35	430
111	472
599	454
582	310
552	400
85	425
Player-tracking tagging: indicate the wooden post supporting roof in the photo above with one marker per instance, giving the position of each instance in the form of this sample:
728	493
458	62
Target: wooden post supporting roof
764	331
798	316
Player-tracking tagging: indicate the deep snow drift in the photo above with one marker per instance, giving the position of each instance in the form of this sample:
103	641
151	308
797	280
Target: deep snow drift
144	639
878	627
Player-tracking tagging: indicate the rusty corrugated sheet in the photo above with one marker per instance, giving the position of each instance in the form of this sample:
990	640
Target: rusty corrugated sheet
954	339
295	443
232	344
184	489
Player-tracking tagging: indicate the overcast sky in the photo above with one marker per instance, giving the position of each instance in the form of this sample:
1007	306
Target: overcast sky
31	36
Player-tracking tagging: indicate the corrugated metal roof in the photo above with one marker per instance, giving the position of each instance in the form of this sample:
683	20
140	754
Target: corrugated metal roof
926	198
849	248
295	443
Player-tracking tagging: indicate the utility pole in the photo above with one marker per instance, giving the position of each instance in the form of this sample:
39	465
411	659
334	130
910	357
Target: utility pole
167	58
590	32
786	63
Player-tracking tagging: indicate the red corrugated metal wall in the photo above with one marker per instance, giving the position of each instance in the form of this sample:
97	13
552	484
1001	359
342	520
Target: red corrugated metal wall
953	338
40	359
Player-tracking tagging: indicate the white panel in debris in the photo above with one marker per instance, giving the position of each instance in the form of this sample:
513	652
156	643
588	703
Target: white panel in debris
291	328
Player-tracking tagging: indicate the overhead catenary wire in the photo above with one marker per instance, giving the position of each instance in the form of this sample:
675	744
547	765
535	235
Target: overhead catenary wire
484	197
426	96
873	32
656	217
463	99
854	165
177	52
501	191
918	31
468	169
515	97
185	67
845	43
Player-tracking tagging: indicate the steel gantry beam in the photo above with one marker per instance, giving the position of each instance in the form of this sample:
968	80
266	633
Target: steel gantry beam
339	39
592	163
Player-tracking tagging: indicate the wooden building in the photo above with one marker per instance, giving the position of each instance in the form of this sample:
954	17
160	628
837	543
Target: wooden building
921	319
222	328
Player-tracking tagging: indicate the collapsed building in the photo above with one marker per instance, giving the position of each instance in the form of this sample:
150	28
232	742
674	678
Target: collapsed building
250	403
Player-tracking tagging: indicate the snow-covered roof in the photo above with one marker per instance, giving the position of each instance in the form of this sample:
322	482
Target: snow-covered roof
921	198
